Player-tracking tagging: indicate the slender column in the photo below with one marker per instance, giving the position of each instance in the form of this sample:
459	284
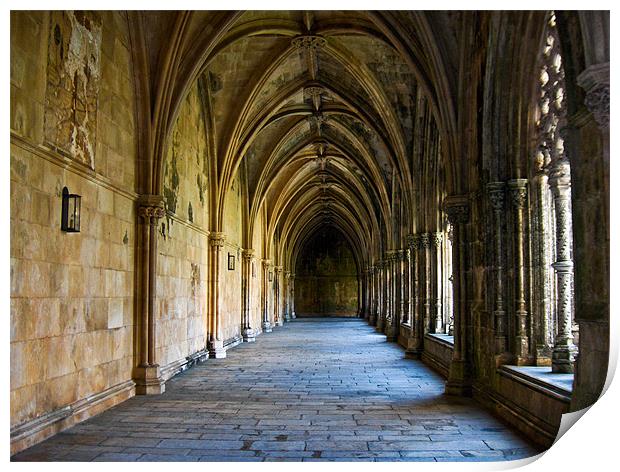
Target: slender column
292	280
265	295
437	240
496	192
287	295
415	342
459	376
425	244
391	315
372	317
404	286
381	292
216	341
277	302
564	351
147	374
246	330
518	193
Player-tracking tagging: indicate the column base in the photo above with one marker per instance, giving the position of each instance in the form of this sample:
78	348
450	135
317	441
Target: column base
148	380
459	383
287	318
390	333
563	360
267	327
293	315
414	353
280	322
249	335
216	349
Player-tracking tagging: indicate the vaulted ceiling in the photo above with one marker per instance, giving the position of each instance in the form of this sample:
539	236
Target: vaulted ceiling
324	112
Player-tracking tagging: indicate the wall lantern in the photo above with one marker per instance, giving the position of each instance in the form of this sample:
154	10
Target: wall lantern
231	261
70	218
270	276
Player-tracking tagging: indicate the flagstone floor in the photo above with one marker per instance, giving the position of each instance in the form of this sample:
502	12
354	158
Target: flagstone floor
313	390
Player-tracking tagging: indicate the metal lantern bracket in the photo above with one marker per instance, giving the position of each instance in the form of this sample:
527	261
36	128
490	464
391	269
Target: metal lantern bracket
71	207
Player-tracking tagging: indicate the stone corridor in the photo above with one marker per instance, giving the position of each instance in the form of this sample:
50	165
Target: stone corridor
313	390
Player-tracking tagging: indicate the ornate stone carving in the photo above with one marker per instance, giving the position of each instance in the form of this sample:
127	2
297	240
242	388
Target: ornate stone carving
248	254
308	41
413	240
518	192
150	212
496	194
425	240
437	239
597	102
216	239
457	209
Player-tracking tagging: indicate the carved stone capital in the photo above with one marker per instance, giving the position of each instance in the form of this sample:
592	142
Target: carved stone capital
217	239
457	209
308	41
595	81
425	240
150	213
278	269
497	195
437	238
248	254
518	192
266	263
559	176
413	240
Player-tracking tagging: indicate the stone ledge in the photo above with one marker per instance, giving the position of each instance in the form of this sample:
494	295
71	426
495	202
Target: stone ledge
176	367
438	351
558	386
34	431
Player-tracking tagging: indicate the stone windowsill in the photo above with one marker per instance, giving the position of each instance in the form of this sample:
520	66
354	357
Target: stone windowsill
541	378
442	338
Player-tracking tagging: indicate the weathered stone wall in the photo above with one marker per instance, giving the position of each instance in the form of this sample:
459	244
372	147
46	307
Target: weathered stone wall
183	239
230	280
326	277
72	124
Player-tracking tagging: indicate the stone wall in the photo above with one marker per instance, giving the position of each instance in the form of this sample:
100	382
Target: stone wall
72	305
326	277
183	240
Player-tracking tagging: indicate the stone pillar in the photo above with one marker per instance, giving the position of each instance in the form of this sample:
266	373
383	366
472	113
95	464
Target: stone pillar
215	345
425	244
496	192
564	351
381	295
287	296
265	296
147	374
404	286
391	326
414	349
437	240
278	319
372	317
518	194
246	330
459	376
292	281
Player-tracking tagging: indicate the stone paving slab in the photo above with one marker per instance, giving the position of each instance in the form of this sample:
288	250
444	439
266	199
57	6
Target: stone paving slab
313	390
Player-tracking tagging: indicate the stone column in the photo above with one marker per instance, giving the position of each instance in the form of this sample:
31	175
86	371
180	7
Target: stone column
564	351
392	311
372	317
404	286
437	240
265	296
425	244
246	330
216	341
292	280
381	295
277	302
459	376
414	348
147	374
496	192
518	194
287	296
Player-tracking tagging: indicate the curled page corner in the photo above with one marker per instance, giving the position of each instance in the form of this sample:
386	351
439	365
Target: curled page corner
568	421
